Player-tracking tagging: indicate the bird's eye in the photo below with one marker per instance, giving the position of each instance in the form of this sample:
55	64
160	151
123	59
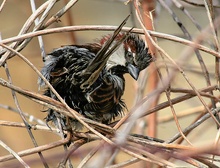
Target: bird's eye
129	55
130	58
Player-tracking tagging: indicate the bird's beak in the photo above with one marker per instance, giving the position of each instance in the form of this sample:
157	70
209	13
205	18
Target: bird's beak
133	71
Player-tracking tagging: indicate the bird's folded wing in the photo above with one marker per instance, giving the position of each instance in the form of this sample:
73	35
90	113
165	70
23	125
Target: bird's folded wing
91	73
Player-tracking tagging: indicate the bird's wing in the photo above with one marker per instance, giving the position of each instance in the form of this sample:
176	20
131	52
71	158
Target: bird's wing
91	73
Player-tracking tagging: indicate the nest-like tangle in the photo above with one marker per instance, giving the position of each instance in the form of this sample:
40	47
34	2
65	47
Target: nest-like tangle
185	89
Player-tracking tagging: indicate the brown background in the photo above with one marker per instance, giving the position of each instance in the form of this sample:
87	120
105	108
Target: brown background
91	12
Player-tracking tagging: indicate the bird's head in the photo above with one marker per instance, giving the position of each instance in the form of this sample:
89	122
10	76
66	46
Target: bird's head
131	57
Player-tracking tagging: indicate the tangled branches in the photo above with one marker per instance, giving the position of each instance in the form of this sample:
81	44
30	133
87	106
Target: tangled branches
182	90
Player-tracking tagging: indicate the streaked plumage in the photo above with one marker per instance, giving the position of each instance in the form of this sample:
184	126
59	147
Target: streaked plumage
91	80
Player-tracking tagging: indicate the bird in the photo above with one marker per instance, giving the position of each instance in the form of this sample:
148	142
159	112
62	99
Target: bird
90	77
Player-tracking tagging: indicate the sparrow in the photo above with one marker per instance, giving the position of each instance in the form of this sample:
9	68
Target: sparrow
90	77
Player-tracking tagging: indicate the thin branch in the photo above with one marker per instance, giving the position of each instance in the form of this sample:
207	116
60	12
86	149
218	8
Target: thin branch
59	14
23	118
199	57
198	4
40	38
14	154
33	126
194	125
72	149
30	117
24	30
2	5
37	149
112	28
72	112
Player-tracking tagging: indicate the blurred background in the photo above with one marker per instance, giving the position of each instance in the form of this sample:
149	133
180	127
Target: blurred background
99	12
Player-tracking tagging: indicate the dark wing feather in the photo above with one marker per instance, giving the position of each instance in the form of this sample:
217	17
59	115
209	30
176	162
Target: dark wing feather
91	73
78	75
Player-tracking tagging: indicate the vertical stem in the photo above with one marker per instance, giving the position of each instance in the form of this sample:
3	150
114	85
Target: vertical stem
40	38
148	6
70	23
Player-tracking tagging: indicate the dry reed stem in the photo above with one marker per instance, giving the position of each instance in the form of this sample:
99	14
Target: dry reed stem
141	147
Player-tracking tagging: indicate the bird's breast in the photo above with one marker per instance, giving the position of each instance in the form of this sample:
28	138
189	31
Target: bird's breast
108	93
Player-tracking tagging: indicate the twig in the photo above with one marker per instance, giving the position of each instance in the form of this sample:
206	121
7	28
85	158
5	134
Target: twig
22	116
70	23
59	14
90	154
2	5
148	16
4	83
24	29
140	146
73	148
21	44
178	90
198	4
53	104
199	57
196	124
181	114
186	12
14	154
30	117
40	39
178	67
112	28
125	163
33	127
210	13
72	112
152	158
37	149
175	100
